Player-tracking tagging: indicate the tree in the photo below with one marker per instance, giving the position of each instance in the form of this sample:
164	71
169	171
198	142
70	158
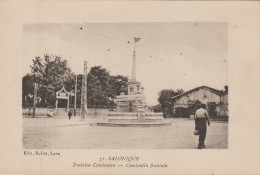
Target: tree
104	87
156	108
27	90
97	96
51	73
117	85
98	86
165	99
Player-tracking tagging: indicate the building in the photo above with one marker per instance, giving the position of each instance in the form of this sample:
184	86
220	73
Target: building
216	100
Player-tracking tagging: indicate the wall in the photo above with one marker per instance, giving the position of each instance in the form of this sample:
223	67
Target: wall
91	111
38	111
224	106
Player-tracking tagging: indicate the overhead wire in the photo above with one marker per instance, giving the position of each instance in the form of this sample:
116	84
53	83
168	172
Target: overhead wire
119	41
109	37
103	36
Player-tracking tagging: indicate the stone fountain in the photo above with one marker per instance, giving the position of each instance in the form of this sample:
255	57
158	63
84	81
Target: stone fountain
132	109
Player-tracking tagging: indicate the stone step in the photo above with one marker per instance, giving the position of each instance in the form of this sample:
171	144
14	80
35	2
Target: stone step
134	120
134	124
122	114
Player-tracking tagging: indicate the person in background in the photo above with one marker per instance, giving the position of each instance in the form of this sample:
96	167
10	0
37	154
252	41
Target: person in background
70	114
201	120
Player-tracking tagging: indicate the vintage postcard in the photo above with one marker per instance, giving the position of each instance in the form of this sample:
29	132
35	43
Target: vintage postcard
129	87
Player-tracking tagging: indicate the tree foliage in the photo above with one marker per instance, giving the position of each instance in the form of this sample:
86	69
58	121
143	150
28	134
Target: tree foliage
103	87
117	85
165	99
27	90
53	72
156	108
50	73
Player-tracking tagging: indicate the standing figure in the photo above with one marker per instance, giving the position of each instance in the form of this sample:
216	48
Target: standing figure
70	114
201	119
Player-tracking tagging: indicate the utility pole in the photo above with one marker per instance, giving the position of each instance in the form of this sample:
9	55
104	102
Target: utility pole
75	96
83	110
34	98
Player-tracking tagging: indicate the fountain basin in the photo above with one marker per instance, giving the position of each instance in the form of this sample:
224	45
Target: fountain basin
134	119
134	123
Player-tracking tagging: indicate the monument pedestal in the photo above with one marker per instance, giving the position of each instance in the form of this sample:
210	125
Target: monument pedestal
135	119
132	109
141	116
140	113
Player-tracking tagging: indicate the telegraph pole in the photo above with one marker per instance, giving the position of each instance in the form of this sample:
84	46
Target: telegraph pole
83	110
75	96
34	98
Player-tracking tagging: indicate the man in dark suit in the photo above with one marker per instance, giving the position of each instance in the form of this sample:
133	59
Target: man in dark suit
70	114
201	119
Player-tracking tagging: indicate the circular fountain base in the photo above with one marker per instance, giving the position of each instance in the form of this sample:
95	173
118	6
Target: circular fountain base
135	119
134	123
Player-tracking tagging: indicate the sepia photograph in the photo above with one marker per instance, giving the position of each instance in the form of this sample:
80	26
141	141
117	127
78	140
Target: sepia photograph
122	87
158	85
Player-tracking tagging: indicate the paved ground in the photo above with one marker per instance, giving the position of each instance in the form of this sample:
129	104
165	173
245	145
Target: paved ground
61	133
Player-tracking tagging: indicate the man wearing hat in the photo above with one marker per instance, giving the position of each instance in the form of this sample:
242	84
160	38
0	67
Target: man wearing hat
70	114
201	119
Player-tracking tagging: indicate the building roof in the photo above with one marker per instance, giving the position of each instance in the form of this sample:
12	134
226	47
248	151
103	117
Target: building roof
218	92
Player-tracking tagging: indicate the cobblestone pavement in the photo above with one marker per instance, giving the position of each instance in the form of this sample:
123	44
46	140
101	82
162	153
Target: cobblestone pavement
61	133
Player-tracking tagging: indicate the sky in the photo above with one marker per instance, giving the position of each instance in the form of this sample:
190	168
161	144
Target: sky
177	55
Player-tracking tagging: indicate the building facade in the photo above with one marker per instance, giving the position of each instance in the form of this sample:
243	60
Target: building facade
216	100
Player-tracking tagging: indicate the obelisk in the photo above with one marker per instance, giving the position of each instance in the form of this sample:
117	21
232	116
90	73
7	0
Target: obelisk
133	75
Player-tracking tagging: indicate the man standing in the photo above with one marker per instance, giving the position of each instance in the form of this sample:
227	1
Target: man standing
70	114
201	116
